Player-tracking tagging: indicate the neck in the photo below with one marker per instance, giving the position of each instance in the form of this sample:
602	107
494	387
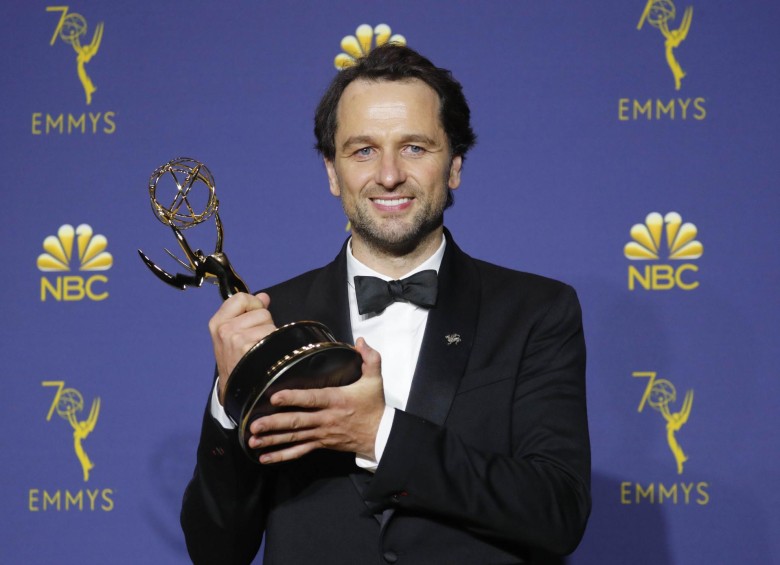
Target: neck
396	265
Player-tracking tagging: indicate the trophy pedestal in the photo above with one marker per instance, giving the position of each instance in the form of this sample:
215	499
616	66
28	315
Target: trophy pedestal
301	355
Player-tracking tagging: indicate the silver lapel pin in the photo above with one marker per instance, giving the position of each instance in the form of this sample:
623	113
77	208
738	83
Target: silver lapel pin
452	339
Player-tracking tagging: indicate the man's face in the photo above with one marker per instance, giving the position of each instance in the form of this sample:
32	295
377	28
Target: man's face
392	166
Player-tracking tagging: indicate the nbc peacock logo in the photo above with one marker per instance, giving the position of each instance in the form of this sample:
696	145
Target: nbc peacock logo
663	238
366	38
68	246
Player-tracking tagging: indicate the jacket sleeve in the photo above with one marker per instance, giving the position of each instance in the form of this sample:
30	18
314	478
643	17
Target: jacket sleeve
537	493
223	511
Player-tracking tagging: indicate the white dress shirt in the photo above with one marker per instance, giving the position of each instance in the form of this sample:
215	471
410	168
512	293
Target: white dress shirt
396	333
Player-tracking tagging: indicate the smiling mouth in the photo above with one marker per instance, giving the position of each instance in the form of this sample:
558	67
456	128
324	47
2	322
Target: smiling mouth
391	201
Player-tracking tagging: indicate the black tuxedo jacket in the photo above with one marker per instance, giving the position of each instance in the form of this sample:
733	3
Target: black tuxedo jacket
489	463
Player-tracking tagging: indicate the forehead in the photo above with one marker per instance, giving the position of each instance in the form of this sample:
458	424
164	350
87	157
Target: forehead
387	104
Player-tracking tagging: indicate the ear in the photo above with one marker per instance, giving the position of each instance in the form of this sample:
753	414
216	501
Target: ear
455	167
333	179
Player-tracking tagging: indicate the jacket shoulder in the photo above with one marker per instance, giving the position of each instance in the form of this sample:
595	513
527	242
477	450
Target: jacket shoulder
498	280
295	285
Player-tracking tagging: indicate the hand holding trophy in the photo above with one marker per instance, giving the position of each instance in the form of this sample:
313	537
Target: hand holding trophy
300	355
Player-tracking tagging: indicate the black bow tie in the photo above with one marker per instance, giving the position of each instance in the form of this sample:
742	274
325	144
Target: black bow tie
374	294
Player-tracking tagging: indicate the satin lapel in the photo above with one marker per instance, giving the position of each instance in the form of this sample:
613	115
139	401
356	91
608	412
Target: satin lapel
449	336
446	346
328	301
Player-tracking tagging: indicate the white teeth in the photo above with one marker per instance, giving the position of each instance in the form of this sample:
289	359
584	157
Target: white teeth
393	202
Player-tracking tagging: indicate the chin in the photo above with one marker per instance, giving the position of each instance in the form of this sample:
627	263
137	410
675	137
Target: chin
400	241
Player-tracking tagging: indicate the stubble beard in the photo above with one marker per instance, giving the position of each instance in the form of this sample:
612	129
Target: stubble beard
394	236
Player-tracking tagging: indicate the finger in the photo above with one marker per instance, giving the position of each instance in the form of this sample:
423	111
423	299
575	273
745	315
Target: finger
244	302
234	338
242	321
302	398
372	361
239	303
269	440
250	319
288	454
247	338
284	422
244	313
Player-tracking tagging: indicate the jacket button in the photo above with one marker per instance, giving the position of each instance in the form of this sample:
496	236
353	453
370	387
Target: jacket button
390	556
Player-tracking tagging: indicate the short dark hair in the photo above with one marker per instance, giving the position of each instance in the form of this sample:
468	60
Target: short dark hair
393	62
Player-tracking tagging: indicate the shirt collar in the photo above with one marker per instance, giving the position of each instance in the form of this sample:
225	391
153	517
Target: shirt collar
356	268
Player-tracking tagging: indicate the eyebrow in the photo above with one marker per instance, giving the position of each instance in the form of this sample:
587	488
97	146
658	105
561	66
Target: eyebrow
357	140
367	140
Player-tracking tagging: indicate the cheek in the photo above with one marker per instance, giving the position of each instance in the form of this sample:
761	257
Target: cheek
438	181
354	180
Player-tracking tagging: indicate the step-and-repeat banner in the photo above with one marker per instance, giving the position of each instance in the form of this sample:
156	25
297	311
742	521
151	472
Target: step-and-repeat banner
629	148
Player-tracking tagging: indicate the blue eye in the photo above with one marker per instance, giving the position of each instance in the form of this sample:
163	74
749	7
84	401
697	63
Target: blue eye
364	152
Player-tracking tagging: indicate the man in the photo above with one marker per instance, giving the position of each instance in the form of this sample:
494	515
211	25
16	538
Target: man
465	439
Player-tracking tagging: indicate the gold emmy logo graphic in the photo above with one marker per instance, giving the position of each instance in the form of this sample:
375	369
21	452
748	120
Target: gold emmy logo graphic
70	29
91	253
646	244
359	45
659	393
67	404
658	13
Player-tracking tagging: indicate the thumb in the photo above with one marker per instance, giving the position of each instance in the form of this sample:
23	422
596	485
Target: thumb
372	361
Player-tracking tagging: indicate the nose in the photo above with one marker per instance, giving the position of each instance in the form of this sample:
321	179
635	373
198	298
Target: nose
390	172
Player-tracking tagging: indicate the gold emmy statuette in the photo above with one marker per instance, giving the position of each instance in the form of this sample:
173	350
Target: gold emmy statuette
300	355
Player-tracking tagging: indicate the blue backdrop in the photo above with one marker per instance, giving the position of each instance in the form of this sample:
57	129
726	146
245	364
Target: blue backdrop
628	148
